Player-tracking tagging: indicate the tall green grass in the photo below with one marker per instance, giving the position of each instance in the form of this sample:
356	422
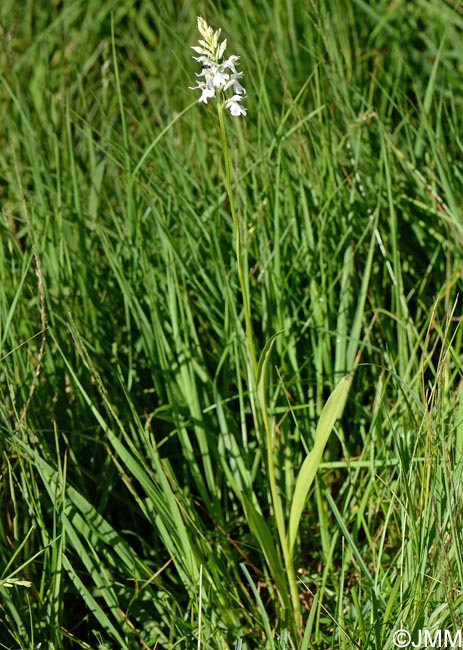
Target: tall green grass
136	504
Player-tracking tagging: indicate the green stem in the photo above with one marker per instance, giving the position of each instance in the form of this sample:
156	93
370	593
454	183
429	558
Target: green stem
287	554
288	561
238	245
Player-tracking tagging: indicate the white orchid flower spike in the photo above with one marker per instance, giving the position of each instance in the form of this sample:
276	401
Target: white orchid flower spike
218	75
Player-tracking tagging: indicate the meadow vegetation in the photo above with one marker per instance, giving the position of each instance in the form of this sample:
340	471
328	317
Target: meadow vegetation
137	508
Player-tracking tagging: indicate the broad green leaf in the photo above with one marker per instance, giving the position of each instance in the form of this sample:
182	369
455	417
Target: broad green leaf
331	412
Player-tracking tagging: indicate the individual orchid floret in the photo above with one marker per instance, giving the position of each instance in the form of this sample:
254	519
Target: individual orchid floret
230	63
206	91
218	75
233	81
234	106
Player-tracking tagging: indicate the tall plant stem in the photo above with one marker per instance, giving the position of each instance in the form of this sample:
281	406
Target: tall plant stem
238	246
255	380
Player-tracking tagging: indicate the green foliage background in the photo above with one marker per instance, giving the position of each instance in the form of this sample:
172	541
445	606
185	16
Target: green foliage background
127	438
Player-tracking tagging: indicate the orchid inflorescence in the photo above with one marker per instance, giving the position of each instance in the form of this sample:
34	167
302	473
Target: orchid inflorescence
218	76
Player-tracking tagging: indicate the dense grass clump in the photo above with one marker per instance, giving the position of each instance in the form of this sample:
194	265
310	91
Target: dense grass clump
149	472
